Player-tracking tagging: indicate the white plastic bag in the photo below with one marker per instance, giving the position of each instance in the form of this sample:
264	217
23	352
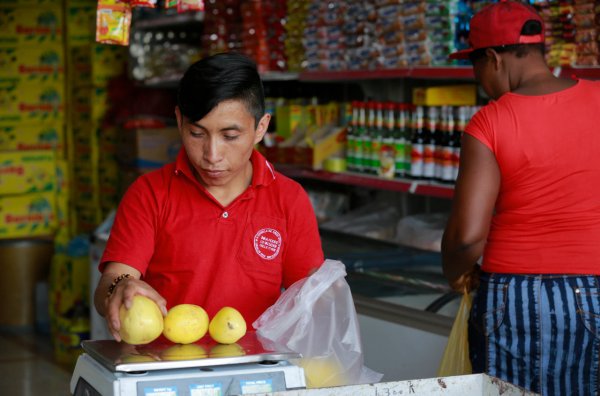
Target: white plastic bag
316	318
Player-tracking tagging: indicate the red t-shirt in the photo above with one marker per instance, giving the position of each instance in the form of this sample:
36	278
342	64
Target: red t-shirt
193	250
547	217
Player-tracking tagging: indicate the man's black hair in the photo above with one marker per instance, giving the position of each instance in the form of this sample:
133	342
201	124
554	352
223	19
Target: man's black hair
217	78
530	28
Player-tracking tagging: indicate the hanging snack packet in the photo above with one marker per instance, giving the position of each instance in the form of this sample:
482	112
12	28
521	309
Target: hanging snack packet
189	5
170	3
144	3
113	21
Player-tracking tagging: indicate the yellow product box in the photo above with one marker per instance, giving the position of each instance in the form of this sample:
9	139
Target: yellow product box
32	136
23	24
288	117
62	193
32	63
87	219
81	23
29	101
80	66
108	61
329	142
449	95
99	102
27	171
27	215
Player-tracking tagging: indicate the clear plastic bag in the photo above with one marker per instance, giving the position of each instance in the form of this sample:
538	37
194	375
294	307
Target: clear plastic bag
316	318
455	360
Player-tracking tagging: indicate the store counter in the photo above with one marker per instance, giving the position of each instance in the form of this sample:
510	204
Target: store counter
405	306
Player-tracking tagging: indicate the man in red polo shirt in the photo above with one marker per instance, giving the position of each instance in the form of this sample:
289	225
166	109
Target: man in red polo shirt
219	227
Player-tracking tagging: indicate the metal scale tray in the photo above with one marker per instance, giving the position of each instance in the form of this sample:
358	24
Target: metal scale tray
164	355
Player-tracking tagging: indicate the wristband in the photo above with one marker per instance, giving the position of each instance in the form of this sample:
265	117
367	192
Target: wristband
115	282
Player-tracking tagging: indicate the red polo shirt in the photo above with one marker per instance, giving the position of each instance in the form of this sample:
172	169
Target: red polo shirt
193	250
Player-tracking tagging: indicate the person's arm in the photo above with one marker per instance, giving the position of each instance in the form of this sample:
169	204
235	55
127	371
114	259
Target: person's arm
475	195
304	253
123	293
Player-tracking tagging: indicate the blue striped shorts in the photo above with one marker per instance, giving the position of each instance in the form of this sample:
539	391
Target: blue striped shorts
540	332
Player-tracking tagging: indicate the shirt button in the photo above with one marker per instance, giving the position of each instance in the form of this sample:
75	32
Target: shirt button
225	215
177	172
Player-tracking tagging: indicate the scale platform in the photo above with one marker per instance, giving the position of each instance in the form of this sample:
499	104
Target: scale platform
204	368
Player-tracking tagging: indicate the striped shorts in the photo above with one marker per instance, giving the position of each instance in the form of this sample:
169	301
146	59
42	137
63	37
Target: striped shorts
540	332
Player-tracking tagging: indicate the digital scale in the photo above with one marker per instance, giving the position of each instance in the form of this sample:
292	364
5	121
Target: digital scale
204	368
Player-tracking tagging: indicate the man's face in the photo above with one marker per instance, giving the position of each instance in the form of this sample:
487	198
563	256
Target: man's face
219	145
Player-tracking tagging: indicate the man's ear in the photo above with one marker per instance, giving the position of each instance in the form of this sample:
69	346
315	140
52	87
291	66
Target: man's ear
179	118
494	57
262	127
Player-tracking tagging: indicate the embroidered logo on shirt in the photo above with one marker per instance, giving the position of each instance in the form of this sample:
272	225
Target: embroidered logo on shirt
267	243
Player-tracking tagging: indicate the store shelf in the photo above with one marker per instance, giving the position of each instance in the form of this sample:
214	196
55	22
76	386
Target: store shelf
425	188
169	20
429	72
278	76
455	72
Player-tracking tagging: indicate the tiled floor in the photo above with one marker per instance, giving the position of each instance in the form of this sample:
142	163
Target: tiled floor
27	365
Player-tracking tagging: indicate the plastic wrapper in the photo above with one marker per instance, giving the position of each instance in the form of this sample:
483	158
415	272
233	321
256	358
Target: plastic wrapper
316	318
113	22
455	360
422	231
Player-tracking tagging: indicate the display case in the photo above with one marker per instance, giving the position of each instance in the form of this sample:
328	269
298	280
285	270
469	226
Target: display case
405	306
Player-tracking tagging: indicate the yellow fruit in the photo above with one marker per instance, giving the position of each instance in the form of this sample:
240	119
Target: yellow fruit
142	322
322	372
226	350
183	352
227	326
185	323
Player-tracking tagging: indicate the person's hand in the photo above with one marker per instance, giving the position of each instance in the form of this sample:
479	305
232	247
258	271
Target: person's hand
468	281
123	294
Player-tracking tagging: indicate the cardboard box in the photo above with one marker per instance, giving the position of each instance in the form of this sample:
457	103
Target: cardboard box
32	63
32	101
81	21
27	215
32	136
450	95
148	149
312	151
27	171
32	25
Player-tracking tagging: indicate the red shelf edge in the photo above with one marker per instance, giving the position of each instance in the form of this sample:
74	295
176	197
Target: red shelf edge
410	186
466	72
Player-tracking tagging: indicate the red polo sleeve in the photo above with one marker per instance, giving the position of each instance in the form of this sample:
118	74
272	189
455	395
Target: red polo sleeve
133	233
304	251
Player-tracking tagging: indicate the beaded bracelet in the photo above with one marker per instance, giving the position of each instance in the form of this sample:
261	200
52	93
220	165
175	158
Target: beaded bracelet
115	282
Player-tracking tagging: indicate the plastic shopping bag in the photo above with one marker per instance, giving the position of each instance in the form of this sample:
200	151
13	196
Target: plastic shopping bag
316	318
455	360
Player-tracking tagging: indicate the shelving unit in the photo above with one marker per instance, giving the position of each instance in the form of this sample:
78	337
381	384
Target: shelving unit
416	187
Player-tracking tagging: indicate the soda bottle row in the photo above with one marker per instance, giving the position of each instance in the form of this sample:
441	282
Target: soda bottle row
400	140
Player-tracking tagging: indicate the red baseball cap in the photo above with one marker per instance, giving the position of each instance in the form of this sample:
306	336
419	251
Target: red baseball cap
500	24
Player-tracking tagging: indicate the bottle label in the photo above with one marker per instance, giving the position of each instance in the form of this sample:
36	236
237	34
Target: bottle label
428	162
416	163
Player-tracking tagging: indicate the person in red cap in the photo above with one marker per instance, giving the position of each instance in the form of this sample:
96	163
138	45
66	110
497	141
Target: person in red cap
219	226
527	204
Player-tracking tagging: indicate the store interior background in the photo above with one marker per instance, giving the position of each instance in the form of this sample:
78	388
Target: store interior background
80	120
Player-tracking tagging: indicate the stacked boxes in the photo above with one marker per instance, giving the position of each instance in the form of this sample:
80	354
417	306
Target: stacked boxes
91	136
32	114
